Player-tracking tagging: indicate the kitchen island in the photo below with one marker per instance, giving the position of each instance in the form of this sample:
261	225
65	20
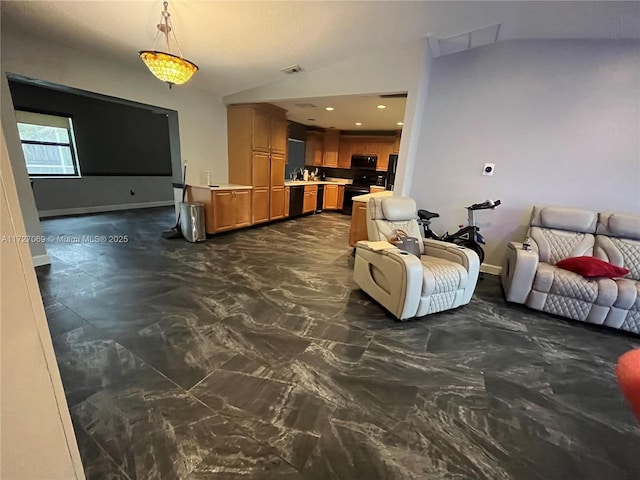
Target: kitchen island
358	230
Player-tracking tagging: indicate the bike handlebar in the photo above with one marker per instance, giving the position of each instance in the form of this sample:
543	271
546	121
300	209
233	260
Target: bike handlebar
484	205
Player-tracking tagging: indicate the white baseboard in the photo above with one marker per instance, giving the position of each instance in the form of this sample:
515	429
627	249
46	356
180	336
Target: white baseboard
490	269
102	208
40	260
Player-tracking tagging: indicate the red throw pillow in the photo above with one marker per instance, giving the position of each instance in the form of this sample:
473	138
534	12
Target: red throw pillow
592	267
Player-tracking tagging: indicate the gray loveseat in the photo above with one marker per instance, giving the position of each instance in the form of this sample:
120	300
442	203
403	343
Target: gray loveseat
532	277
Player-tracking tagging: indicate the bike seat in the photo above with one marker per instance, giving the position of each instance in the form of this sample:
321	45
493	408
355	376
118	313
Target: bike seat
427	215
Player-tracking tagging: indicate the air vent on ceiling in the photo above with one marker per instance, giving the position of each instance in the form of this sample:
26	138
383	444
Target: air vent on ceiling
292	69
306	105
393	95
465	41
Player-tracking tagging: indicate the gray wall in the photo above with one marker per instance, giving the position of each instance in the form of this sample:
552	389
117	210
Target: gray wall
121	148
56	195
560	119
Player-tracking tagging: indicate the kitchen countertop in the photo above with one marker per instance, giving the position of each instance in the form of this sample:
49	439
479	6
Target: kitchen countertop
367	196
294	183
225	186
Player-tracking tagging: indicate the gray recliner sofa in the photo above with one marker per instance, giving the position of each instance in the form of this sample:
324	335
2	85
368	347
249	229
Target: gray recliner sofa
532	277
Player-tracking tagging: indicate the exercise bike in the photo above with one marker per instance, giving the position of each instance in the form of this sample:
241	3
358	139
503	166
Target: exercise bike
468	236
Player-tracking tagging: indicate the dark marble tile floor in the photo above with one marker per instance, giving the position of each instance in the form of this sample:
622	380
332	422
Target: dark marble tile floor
254	356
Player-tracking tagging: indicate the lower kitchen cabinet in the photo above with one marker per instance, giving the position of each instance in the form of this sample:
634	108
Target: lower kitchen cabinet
340	197
277	203
260	205
287	200
310	198
224	209
331	197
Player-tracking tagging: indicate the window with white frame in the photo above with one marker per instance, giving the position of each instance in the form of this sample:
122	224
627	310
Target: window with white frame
48	145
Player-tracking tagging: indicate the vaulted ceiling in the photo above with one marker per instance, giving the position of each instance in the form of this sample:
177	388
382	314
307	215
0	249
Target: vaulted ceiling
240	45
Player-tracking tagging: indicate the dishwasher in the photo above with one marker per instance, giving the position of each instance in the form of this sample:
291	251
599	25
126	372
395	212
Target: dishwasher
296	200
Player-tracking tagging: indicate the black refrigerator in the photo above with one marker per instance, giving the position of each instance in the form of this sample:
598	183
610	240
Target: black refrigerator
391	171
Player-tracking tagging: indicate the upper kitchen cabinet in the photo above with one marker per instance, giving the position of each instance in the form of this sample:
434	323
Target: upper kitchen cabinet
331	147
314	149
344	153
396	143
279	134
384	150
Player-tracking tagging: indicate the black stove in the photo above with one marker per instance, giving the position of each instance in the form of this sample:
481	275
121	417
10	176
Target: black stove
362	181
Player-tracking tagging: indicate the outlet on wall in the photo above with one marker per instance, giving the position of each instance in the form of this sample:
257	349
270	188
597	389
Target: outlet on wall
488	168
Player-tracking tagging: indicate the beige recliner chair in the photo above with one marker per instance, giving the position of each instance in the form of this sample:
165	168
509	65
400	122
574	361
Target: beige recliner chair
443	277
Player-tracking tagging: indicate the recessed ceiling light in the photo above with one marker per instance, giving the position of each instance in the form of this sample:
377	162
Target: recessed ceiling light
358	123
329	109
400	123
381	106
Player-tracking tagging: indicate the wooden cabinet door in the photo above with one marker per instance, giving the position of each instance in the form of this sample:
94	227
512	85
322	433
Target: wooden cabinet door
331	146
340	196
376	188
345	150
287	199
313	149
358	230
223	210
384	150
260	171
279	135
331	197
242	203
260	205
277	170
277	203
396	144
261	130
371	148
359	147
310	198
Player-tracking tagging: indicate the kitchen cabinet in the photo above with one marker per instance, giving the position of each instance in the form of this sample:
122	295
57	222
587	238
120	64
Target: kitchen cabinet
340	197
260	206
345	150
314	149
310	198
396	143
276	193
276	203
358	230
330	197
376	188
224	209
287	200
330	149
257	144
384	150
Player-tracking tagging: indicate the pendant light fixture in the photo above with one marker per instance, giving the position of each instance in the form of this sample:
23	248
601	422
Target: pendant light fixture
166	66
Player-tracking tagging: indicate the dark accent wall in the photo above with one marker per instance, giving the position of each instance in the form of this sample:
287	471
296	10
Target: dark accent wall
111	138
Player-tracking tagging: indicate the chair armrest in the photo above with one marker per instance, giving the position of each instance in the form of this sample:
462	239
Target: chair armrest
391	276
518	272
454	253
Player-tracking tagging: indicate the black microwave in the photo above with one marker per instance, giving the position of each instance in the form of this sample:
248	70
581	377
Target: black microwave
364	162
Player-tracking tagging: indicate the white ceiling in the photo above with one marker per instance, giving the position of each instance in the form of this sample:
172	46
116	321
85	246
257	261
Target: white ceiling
240	45
348	109
243	44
